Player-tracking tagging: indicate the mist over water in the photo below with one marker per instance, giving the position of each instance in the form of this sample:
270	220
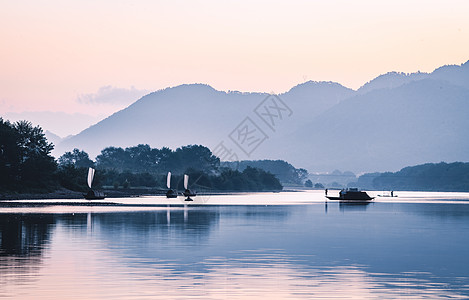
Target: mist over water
380	250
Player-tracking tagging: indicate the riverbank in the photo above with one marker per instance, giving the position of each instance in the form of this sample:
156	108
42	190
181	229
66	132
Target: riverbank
111	193
68	194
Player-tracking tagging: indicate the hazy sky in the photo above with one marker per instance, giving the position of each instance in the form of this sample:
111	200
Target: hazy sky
96	56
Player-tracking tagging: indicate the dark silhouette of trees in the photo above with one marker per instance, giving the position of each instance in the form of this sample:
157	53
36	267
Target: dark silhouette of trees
73	170
113	158
251	179
308	183
143	166
72	178
27	166
9	154
77	158
284	171
25	158
318	186
426	177
143	159
195	157
126	179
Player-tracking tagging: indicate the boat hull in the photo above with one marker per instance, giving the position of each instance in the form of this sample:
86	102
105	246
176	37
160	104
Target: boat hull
94	195
171	194
352	197
189	193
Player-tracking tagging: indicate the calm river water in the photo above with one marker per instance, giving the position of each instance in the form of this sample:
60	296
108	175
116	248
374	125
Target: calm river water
275	246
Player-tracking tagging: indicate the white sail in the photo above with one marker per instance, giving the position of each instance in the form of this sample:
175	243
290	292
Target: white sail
168	180
90	176
186	181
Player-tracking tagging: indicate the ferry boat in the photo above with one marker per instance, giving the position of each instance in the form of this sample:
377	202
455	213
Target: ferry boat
351	195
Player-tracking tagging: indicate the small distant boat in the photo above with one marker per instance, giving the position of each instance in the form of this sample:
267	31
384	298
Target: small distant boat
92	194
351	195
187	192
388	195
170	193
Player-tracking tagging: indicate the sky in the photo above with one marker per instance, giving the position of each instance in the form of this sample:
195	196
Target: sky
91	58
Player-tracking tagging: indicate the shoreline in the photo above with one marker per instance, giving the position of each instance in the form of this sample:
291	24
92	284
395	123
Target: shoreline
121	193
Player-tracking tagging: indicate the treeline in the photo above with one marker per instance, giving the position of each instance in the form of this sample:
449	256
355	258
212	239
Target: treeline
143	166
285	172
427	177
144	159
26	165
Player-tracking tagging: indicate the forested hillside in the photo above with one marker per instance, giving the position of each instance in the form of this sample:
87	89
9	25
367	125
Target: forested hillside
427	177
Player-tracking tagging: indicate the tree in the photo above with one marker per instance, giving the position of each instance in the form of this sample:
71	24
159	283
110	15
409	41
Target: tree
141	158
37	165
72	178
284	171
112	158
196	157
9	154
25	157
308	183
164	160
77	158
302	174
318	186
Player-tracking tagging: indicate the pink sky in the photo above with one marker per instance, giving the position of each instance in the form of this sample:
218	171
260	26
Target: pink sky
55	53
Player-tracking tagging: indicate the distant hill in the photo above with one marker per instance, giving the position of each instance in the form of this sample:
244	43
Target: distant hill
52	137
427	177
285	172
187	114
198	114
422	121
452	74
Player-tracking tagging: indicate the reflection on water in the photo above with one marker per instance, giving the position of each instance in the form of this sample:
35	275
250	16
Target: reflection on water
24	234
380	250
359	206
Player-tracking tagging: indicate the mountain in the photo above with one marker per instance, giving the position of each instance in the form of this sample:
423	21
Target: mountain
187	114
453	74
392	121
385	129
52	137
199	114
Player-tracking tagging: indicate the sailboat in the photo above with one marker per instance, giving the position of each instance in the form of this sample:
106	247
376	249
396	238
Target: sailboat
170	193
92	194
187	192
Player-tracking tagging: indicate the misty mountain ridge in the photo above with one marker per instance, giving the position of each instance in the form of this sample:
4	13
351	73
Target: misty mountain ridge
453	74
392	121
385	130
52	137
197	114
